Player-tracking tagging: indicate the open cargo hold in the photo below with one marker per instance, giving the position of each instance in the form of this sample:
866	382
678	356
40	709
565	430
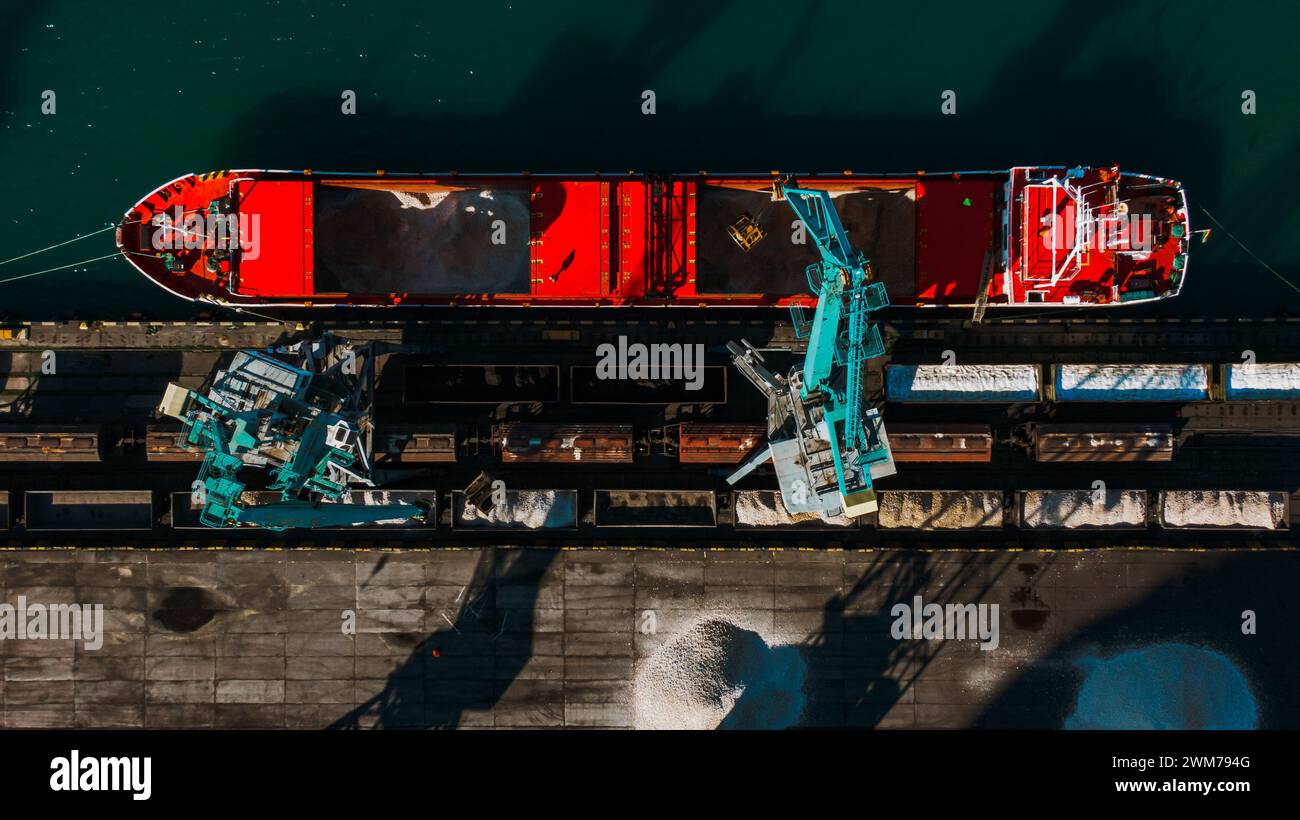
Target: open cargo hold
588	387
1233	509
1082	509
1131	382
999	383
481	383
94	510
61	443
522	510
655	508
940	509
1103	442
941	442
532	442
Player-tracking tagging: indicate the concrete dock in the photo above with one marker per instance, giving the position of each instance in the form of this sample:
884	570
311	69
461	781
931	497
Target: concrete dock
501	637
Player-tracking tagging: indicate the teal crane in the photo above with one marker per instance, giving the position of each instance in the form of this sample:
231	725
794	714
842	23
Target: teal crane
825	445
298	412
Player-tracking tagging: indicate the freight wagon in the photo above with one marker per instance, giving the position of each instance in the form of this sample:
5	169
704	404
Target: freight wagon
901	511
55	510
564	443
62	443
162	443
713	443
941	442
1077	383
410	444
1102	442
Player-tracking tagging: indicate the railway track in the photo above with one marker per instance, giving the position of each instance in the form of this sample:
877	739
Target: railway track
89	423
160	519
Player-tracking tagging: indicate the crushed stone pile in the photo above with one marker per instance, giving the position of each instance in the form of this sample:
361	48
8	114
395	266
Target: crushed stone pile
1132	382
765	508
1264	381
940	509
531	509
1051	509
1223	508
716	674
971	382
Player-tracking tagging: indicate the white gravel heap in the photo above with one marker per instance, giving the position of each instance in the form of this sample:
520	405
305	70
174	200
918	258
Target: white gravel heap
1264	381
423	201
1223	508
1132	382
940	509
966	382
530	509
714	668
1056	509
765	508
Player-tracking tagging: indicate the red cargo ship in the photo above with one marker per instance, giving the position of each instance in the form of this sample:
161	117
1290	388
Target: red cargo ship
1028	236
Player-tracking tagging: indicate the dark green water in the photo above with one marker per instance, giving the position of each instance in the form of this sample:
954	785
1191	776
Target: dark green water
145	94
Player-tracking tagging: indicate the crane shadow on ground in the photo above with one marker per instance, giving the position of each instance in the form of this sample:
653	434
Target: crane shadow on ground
467	666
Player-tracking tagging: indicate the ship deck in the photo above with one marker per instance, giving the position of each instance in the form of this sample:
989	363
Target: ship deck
933	240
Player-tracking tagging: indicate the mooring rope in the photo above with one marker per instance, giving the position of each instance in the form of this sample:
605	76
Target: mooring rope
78	239
242	310
1266	266
59	245
61	267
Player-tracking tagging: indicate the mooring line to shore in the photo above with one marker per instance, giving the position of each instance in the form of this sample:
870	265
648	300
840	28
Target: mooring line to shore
1266	266
59	245
60	267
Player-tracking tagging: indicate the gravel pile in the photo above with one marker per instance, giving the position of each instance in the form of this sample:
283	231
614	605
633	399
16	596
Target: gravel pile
1163	686
715	674
422	200
765	508
1132	382
1264	381
1223	508
529	509
1054	509
969	382
940	509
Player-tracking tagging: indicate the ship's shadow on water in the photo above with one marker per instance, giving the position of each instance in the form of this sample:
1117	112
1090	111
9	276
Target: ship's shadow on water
579	109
